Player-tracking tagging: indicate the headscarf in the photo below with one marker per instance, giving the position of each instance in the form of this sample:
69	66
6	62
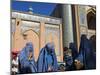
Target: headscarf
26	65
47	56
14	55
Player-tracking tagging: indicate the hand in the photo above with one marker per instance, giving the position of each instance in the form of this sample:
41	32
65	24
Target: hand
78	64
49	68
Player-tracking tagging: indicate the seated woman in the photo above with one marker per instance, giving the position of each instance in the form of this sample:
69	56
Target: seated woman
47	61
26	60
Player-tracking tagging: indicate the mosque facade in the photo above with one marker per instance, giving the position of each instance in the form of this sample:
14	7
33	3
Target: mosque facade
38	29
65	25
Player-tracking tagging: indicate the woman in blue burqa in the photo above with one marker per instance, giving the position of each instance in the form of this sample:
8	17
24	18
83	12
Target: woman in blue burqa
26	60
47	61
86	54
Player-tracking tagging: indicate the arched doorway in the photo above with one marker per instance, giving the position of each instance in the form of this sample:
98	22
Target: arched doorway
91	21
32	36
91	18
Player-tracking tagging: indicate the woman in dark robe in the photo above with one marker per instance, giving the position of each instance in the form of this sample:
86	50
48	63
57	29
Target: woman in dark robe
47	61
86	54
26	60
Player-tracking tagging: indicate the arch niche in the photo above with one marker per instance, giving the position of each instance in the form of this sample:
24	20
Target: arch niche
32	36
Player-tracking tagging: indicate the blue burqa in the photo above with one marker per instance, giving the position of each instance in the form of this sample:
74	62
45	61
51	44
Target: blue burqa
47	59
26	65
86	54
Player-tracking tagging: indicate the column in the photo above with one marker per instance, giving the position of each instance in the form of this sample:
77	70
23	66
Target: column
42	35
77	26
61	43
67	25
